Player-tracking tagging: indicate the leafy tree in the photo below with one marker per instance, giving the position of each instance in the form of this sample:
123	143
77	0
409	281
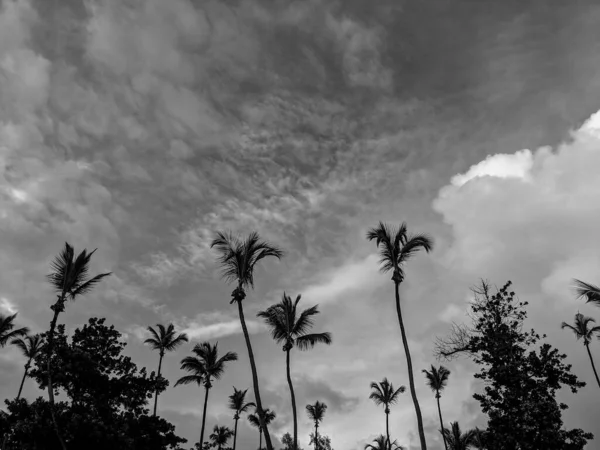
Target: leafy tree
107	398
437	380
290	326
7	323
238	258
582	329
164	340
381	443
316	413
205	367
521	377
220	436
590	292
288	441
384	394
456	439
31	346
237	403
323	442
69	278
396	247
254	420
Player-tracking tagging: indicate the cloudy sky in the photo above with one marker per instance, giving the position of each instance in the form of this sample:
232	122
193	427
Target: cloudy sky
142	126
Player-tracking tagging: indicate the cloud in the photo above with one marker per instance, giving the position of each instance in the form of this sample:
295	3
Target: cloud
217	324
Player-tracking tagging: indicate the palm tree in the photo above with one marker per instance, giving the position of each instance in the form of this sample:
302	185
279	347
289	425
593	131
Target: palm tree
254	419
220	436
7	323
290	326
69	278
31	346
238	259
478	438
316	413
165	340
457	440
582	329
437	380
396	247
237	403
381	444
588	291
384	394
205	367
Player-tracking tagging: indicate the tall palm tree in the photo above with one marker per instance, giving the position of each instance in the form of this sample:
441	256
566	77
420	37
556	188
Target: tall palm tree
381	443
582	330
69	278
396	247
205	367
456	439
7	323
220	436
238	259
31	346
237	403
590	292
384	394
316	413
291	327
164	340
254	419
437	380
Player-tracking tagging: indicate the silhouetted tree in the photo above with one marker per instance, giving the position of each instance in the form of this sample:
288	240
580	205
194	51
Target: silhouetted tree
381	443
237	403
521	378
164	340
396	247
582	329
456	439
69	278
238	258
254	420
316	413
205	367
323	441
437	380
220	436
590	292
290	326
288	441
31	346
7	331
384	394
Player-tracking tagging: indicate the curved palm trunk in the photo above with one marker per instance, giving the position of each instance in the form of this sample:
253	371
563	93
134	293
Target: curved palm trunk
411	378
203	418
23	380
592	361
235	432
156	393
289	379
387	430
57	307
254	377
441	421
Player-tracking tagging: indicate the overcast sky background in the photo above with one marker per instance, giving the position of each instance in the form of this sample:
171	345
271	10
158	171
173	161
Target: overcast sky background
142	126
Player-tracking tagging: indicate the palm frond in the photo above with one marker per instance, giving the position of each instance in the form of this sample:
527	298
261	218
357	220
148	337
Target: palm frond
188	379
308	341
588	291
8	331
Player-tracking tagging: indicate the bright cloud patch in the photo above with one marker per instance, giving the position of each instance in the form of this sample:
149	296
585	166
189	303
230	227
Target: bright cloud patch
546	225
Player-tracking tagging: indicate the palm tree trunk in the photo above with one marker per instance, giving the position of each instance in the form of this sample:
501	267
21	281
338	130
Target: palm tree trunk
254	377
156	393
235	433
57	307
316	437
23	380
441	421
260	440
387	430
411	378
593	366
203	418
289	379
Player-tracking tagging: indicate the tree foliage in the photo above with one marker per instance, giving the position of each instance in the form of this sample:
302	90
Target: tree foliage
107	398
521	376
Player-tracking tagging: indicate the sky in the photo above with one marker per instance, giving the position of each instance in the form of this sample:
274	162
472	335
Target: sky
141	127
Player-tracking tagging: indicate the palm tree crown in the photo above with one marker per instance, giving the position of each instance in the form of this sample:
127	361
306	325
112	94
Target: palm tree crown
31	346
7	331
165	339
291	327
396	247
582	328
220	436
588	291
380	443
237	402
437	379
457	440
239	257
384	394
205	366
316	412
269	417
